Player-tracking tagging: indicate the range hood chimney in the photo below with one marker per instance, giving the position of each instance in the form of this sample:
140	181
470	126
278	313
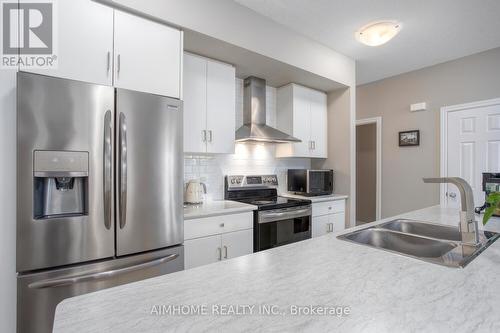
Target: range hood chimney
254	115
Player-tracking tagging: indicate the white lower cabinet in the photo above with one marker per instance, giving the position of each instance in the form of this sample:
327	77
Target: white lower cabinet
211	239
328	217
202	251
236	244
320	225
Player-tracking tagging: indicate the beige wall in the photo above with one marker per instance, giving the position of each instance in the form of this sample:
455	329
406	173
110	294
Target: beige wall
366	172
339	144
468	79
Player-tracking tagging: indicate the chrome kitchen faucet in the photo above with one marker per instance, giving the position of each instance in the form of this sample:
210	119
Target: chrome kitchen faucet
468	224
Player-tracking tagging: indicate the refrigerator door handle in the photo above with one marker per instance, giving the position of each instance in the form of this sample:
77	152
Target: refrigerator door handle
122	201
107	169
72	279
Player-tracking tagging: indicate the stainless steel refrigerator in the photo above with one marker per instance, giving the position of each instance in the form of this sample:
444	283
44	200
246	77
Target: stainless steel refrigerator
99	194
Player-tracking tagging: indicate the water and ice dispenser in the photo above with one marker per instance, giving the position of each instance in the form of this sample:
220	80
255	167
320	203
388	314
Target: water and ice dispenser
60	183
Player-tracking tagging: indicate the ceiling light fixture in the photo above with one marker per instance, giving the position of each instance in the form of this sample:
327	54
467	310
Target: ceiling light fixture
378	33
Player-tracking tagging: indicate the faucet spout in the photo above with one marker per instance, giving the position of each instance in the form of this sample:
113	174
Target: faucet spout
468	224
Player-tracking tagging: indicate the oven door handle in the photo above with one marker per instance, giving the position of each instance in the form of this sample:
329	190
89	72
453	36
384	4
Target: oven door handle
291	213
265	217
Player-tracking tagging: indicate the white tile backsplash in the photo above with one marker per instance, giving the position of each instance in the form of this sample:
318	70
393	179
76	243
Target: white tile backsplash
248	159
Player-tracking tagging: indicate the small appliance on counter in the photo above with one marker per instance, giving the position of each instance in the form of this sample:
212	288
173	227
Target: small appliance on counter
278	220
491	183
195	192
310	182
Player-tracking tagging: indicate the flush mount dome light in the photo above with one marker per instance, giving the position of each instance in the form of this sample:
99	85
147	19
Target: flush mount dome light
378	33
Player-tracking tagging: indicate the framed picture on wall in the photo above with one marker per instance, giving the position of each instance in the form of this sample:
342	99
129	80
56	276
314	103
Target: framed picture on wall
409	138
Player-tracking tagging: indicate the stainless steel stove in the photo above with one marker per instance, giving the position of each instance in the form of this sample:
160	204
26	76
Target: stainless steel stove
278	220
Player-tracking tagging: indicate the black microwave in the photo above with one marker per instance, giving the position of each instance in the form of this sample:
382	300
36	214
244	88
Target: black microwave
310	182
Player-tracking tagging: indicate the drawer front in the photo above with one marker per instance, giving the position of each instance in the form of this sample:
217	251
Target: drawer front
328	207
214	225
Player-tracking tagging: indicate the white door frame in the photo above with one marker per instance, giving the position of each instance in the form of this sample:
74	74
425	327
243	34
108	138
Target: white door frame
444	137
378	122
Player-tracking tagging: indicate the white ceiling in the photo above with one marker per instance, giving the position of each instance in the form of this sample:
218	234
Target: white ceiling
434	31
249	63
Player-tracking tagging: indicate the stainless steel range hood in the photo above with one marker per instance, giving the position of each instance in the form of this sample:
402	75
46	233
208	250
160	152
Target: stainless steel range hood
254	116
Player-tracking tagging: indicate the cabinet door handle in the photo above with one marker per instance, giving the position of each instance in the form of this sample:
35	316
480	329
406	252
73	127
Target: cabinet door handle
331	227
219	250
108	62
118	64
204	135
225	252
314	145
210	136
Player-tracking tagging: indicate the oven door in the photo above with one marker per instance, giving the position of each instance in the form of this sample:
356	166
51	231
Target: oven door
281	226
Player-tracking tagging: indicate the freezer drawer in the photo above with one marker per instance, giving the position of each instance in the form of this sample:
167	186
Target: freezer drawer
39	293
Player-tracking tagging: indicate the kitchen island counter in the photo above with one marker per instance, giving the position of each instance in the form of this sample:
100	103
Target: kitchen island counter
380	291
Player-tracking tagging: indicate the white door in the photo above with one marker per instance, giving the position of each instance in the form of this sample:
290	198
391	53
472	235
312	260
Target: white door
473	147
236	244
302	121
337	221
221	110
320	225
85	42
147	55
318	124
195	104
202	251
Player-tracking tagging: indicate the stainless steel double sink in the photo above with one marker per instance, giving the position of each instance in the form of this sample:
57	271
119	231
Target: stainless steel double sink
435	243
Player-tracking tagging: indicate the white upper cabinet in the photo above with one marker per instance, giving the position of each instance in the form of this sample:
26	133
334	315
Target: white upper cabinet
319	123
85	43
195	100
98	44
302	113
221	107
209	106
147	55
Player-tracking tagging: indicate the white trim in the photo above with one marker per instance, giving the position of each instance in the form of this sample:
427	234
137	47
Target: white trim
444	137
378	122
352	148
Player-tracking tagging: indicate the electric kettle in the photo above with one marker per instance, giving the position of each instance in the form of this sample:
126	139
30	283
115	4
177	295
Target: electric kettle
195	191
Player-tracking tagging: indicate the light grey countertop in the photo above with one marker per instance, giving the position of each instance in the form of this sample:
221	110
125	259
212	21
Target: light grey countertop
384	292
320	198
214	208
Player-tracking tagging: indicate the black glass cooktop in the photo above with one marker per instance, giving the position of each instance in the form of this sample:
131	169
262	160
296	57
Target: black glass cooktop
265	198
275	202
